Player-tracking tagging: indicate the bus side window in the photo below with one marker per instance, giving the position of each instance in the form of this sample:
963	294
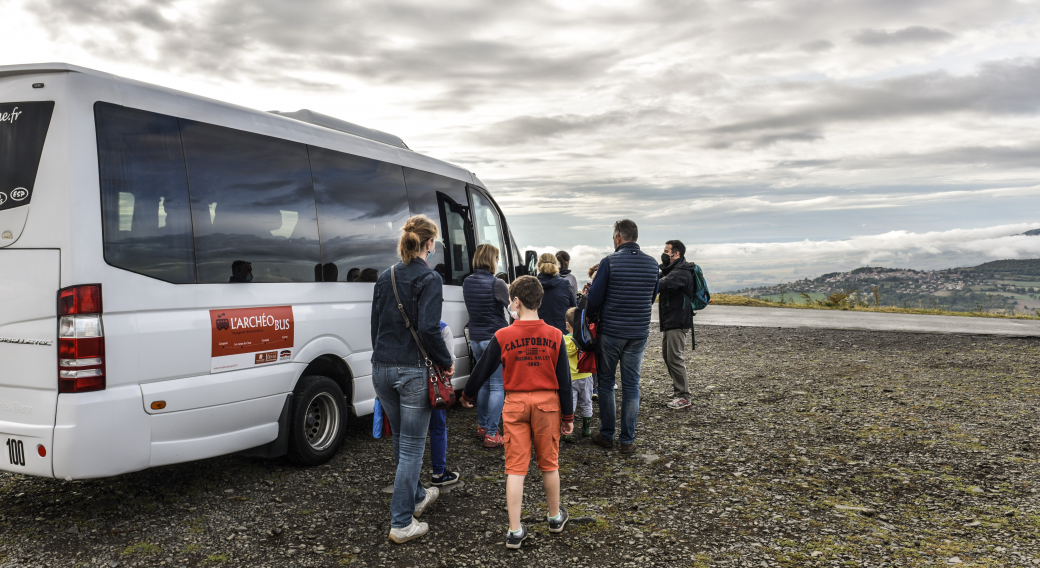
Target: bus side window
252	200
146	221
362	205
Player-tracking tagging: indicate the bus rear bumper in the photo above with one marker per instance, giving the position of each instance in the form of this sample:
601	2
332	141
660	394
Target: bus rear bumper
100	434
22	443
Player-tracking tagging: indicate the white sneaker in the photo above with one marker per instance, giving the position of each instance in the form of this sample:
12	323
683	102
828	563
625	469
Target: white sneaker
679	403
432	494
414	530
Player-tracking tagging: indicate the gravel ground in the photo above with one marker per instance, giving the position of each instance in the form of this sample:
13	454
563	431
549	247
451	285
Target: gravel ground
803	448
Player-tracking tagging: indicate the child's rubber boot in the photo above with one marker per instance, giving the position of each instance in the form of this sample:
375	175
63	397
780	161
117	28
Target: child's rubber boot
569	438
586	427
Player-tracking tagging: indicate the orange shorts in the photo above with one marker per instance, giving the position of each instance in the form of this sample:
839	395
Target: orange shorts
531	418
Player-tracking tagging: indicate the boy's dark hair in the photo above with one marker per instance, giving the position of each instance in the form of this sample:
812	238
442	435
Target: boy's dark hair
677	246
564	258
572	316
529	290
627	230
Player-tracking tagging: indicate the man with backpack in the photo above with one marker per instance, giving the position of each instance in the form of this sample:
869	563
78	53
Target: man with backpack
678	288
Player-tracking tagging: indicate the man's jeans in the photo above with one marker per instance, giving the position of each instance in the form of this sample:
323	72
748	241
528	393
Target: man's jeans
491	395
403	393
628	352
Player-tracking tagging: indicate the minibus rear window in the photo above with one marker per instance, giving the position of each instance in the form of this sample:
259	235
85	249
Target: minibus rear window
23	129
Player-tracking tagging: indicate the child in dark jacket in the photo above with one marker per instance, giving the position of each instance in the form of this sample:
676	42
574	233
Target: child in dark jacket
538	408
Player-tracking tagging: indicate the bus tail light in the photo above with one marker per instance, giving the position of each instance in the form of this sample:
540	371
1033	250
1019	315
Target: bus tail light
81	340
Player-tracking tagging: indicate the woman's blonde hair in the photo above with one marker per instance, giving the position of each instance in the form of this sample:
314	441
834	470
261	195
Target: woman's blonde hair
416	231
486	257
547	264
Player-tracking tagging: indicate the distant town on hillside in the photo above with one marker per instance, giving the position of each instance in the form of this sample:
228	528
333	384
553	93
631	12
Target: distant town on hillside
998	286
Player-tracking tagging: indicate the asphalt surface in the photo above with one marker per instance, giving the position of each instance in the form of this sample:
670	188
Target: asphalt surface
745	316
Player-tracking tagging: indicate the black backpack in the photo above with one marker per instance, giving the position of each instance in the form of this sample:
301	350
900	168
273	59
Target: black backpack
586	317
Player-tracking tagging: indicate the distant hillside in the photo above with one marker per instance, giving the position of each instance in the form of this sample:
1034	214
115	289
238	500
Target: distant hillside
1029	267
1033	233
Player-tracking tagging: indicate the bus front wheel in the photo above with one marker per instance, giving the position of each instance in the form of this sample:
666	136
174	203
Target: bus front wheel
319	414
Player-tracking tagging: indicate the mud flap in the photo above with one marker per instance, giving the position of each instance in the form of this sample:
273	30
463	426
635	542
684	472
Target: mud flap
279	446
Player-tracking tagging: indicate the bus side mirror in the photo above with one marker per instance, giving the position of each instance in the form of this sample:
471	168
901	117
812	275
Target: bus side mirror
531	262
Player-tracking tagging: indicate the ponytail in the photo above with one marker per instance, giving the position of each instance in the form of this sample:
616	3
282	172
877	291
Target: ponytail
416	231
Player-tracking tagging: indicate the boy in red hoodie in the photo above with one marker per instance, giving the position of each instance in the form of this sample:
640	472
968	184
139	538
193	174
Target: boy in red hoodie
536	375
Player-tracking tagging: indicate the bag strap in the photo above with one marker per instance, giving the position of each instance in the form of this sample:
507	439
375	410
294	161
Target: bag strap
407	322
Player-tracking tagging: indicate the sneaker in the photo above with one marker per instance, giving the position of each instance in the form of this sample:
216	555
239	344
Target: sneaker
628	448
481	433
446	478
679	403
557	525
431	495
599	440
514	540
494	442
414	530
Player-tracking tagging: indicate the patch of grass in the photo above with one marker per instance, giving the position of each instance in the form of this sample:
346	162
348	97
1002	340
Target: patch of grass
142	548
189	549
216	558
196	526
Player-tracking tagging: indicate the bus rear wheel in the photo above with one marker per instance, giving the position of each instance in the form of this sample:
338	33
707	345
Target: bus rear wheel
317	421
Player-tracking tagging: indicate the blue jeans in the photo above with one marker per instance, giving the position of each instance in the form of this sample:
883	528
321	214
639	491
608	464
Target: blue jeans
491	395
402	392
628	352
439	440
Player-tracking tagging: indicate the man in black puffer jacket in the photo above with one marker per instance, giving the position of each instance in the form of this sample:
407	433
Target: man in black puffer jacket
677	288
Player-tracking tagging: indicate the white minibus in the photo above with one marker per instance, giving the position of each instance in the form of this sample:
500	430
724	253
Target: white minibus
182	278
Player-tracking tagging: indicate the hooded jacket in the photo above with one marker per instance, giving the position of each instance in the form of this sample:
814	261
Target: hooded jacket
557	300
566	274
677	288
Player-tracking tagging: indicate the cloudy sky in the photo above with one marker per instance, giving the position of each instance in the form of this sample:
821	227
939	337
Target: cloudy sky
777	139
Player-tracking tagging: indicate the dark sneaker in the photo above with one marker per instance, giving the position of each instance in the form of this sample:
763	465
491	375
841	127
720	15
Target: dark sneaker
628	448
446	478
514	540
557	525
678	403
599	440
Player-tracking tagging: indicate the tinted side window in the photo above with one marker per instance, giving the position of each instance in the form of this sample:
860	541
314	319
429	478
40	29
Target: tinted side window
443	200
362	205
146	219
252	201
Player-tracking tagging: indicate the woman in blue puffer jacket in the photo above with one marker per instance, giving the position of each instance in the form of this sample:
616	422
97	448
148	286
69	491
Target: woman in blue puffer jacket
559	297
487	299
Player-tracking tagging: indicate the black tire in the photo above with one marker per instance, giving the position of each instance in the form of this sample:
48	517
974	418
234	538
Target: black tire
317	422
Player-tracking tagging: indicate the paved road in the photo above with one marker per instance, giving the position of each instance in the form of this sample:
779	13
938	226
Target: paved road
828	319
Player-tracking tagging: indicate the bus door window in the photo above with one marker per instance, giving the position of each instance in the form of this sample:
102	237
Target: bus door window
458	237
425	191
487	228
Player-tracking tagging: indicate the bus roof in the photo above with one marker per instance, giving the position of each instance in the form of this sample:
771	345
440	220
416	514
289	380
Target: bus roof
306	126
